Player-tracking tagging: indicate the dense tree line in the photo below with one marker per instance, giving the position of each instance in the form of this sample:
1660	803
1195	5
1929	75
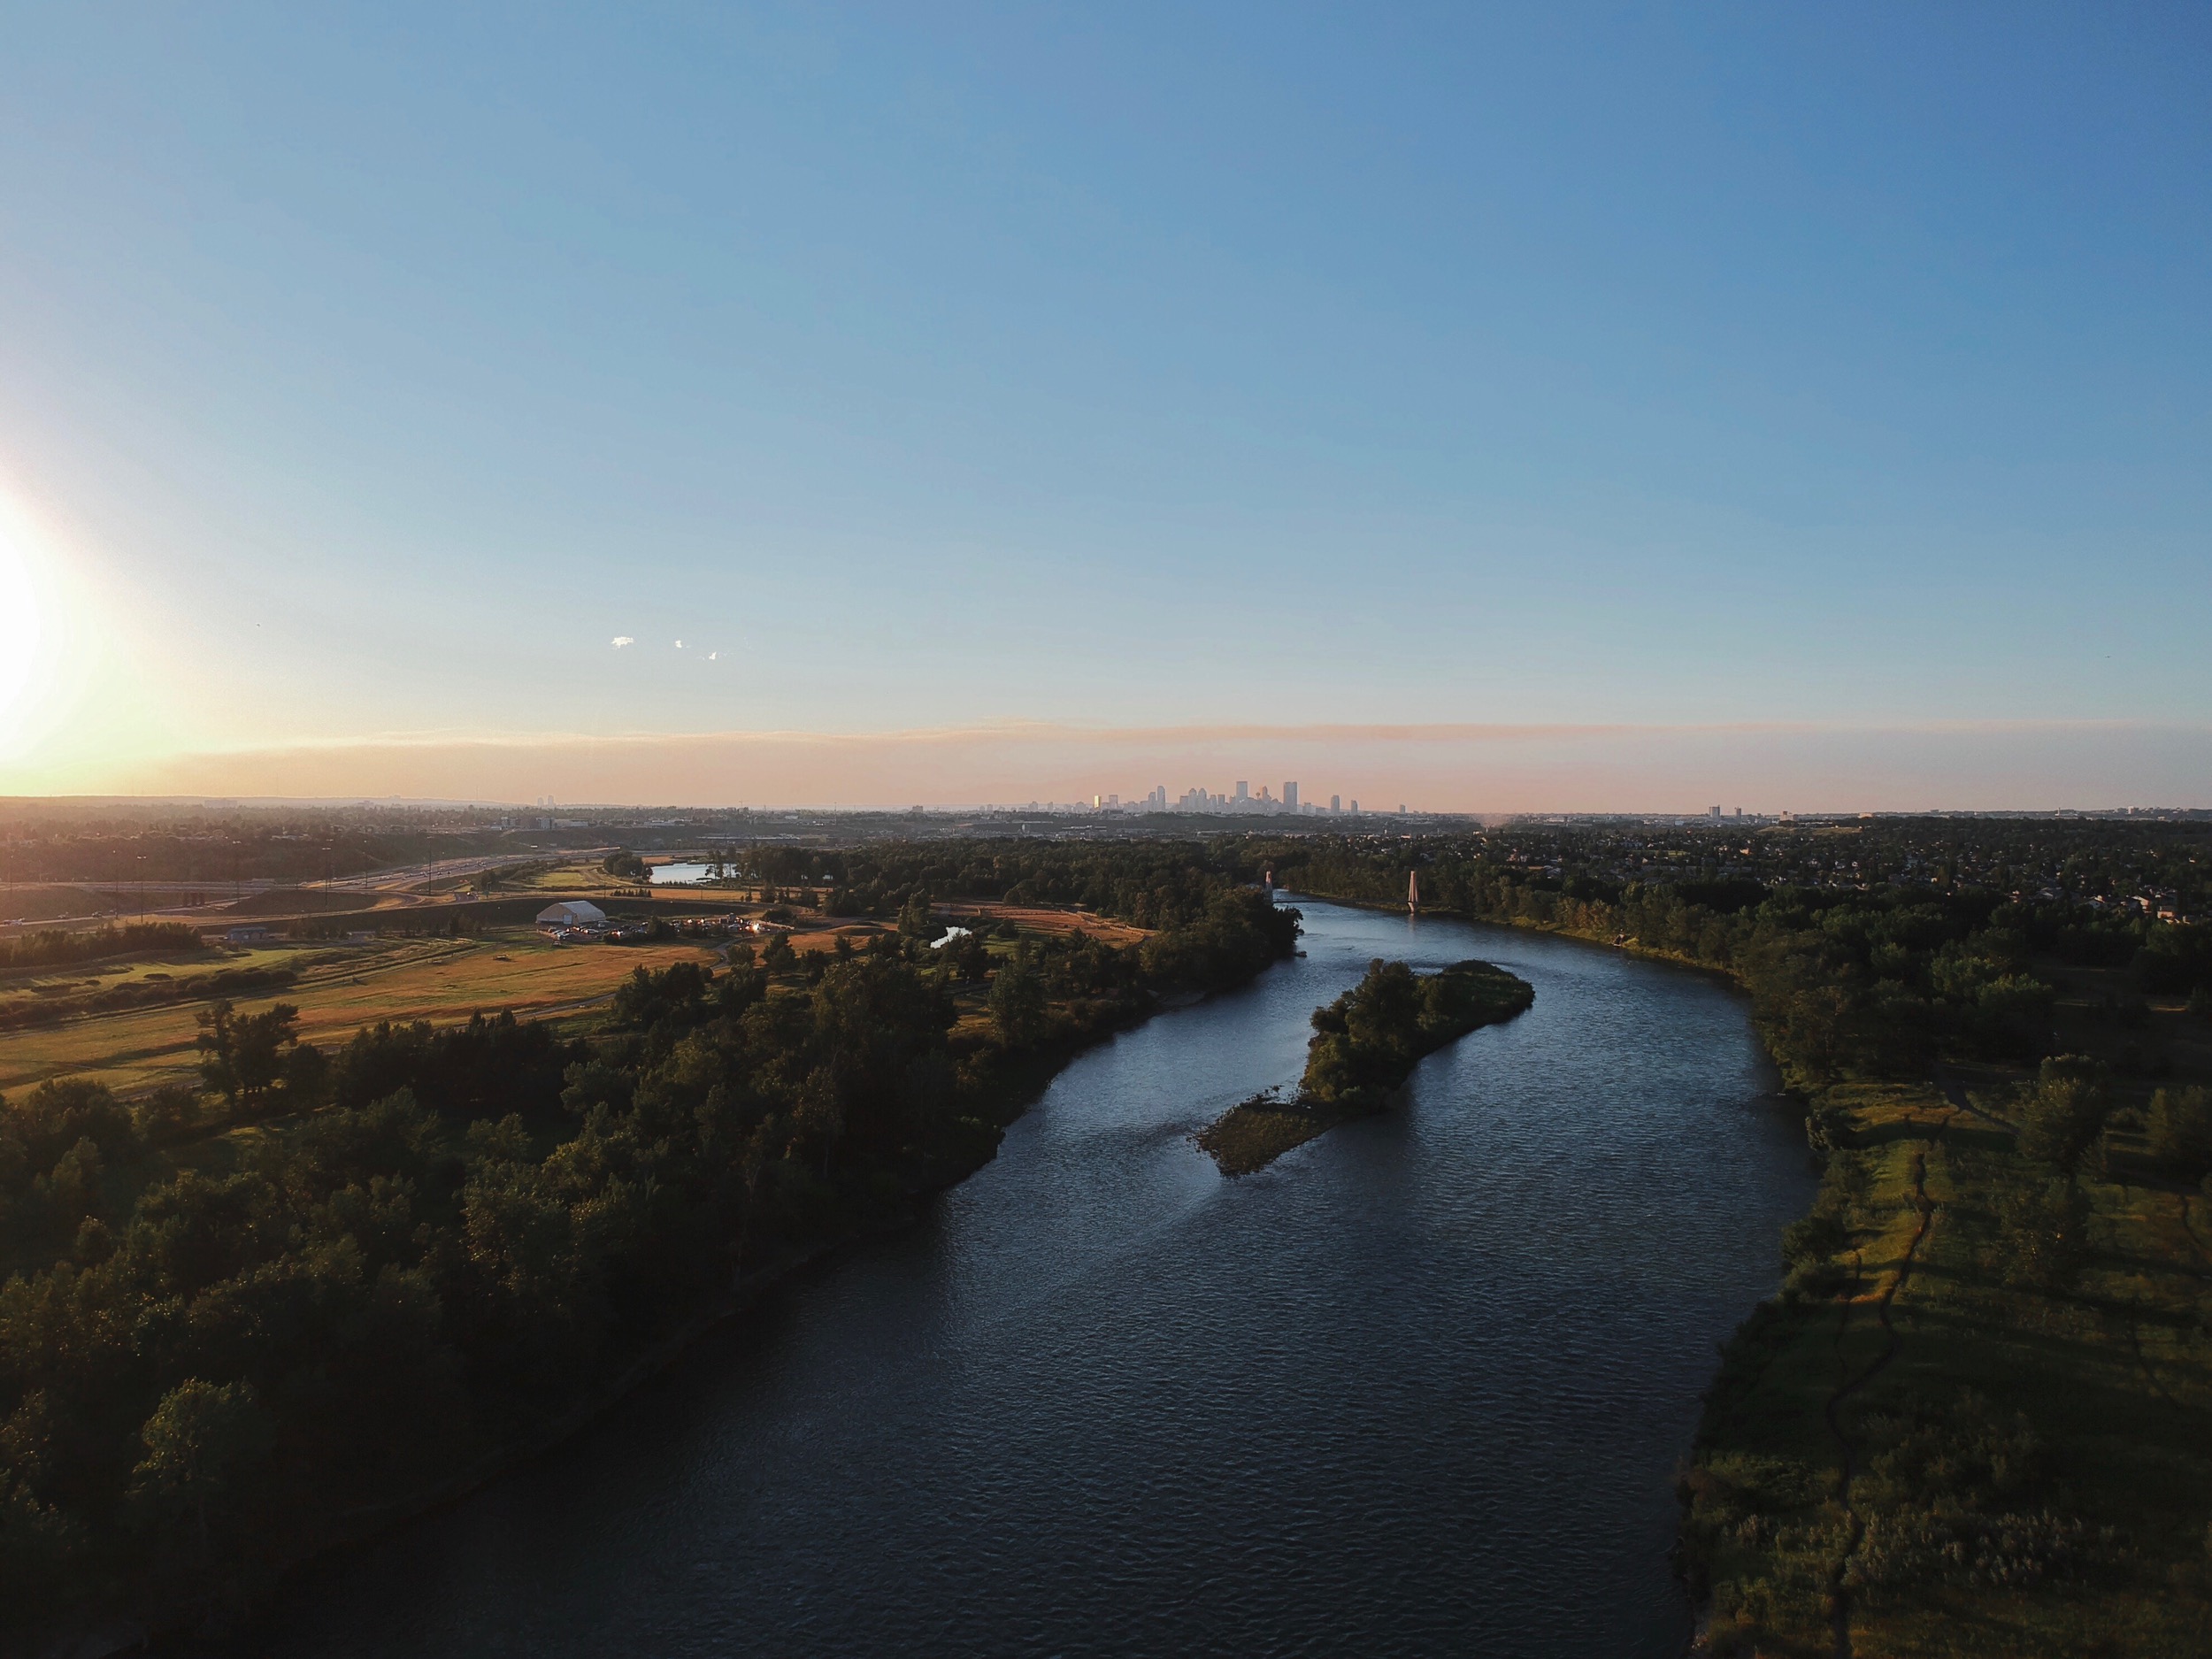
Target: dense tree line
45	1008
1845	981
241	1319
1150	884
1367	1041
55	948
2049	1218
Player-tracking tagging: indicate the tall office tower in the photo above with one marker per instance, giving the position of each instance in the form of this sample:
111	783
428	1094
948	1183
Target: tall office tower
1716	812
1336	803
1354	803
1290	797
1244	790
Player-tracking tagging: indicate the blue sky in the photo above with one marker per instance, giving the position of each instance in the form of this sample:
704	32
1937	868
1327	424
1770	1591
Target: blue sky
371	370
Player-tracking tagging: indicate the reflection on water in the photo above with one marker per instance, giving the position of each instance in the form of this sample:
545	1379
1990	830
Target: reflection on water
666	875
1418	1388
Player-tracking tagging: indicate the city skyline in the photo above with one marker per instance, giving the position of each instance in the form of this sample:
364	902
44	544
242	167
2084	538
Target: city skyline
1483	771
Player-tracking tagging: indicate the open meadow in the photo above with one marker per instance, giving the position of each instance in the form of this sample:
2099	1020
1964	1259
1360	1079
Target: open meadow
338	991
1953	1425
339	988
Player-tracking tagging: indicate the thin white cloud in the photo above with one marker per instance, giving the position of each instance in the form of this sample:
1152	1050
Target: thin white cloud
714	657
680	645
621	639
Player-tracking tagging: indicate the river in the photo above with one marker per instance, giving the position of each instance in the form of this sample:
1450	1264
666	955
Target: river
1419	1388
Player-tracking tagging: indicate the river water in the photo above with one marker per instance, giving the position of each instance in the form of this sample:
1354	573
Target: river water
1419	1388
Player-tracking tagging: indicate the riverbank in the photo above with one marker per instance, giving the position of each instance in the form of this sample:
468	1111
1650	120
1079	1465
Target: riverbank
1071	1332
1254	1133
996	1085
1942	1439
1977	1419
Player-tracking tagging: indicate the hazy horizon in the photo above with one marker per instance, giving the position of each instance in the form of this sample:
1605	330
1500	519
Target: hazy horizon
1439	769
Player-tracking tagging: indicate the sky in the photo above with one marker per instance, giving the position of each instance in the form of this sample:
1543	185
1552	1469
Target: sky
1546	408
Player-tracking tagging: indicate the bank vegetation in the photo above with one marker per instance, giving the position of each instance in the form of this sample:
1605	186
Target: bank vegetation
243	1321
1976	1416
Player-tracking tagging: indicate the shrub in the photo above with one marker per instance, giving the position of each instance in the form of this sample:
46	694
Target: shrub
2180	1130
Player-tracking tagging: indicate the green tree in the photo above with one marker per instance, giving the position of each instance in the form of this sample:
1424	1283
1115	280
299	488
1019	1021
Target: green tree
966	957
39	1543
2181	1131
74	1184
204	1444
915	921
242	1054
2063	1117
1017	999
306	1076
2044	1234
218	1049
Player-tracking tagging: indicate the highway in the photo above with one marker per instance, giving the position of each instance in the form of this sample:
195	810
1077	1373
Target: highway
173	900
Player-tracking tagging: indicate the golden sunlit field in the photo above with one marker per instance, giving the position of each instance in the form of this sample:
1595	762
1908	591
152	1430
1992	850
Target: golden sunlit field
338	991
1045	920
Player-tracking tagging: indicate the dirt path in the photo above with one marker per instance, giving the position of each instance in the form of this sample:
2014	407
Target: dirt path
1953	1092
1840	1594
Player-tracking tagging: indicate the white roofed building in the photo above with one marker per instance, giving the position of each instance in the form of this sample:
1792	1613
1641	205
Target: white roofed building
573	913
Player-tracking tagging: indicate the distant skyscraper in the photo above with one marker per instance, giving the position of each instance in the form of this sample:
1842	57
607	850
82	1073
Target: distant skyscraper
1244	790
1354	803
1336	803
1290	796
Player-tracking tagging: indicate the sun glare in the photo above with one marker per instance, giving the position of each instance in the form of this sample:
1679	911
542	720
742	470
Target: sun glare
21	634
76	707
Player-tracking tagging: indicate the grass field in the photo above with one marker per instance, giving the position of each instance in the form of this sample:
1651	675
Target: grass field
340	988
565	880
1043	919
338	991
2084	1531
85	975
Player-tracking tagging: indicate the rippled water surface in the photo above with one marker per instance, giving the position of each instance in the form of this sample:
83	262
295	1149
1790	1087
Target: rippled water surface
1418	1388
